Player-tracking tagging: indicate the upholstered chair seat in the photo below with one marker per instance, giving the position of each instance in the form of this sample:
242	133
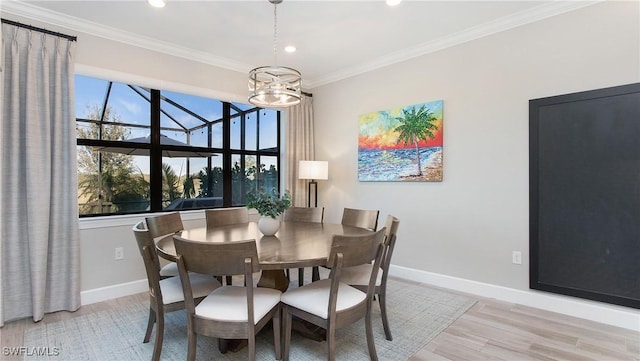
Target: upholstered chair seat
229	304
172	287
314	297
169	270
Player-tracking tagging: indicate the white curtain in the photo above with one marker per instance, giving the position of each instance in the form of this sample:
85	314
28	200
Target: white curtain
299	146
39	242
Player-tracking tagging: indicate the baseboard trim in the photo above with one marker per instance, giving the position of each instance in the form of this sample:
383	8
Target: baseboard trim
110	292
614	315
590	310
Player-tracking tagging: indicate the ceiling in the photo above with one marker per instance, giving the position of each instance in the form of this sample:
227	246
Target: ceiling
334	39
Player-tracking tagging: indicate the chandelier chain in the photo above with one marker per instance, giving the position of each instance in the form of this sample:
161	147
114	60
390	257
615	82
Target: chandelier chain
274	86
275	34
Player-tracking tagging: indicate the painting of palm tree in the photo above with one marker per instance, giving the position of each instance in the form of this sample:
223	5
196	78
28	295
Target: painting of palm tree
416	125
401	144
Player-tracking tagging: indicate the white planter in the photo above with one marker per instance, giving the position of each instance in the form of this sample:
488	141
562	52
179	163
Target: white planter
268	226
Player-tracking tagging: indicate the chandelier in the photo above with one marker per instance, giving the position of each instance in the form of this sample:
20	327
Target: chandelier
274	86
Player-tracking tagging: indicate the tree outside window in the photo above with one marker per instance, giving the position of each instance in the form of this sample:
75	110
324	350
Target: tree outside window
120	143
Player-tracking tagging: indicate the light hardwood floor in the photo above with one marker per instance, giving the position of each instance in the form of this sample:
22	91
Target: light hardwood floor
496	330
490	330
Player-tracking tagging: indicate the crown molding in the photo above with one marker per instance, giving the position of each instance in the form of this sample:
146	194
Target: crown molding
26	10
537	13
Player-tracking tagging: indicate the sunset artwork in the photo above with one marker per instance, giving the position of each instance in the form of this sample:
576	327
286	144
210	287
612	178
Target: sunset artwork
401	144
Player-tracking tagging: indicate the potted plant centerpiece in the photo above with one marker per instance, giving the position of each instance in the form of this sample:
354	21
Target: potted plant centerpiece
270	206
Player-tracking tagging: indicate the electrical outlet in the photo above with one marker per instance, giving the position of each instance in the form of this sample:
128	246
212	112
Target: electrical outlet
516	257
119	253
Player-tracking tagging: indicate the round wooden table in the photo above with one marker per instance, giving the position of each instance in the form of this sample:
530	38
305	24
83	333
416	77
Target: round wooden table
295	245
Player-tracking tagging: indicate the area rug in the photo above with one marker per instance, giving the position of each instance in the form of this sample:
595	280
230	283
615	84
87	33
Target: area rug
417	314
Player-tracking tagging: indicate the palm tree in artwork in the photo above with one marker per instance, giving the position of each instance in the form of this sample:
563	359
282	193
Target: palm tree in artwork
416	125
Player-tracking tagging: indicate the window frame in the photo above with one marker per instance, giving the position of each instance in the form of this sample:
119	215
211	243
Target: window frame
156	149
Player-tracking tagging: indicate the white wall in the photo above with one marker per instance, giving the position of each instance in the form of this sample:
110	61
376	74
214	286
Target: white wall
467	226
458	233
101	57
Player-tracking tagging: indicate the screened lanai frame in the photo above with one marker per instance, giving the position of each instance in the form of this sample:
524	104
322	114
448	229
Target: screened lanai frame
242	156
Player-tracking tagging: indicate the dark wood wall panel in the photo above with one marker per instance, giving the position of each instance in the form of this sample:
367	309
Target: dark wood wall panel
585	194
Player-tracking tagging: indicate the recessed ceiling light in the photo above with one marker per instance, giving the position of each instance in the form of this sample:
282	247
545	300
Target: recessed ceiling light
393	2
157	3
290	49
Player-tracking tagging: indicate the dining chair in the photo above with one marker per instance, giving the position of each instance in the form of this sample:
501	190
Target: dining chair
229	312
303	214
331	303
357	276
223	217
161	226
361	218
165	295
226	216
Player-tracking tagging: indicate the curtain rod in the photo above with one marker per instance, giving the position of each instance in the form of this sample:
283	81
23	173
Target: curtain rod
68	37
34	28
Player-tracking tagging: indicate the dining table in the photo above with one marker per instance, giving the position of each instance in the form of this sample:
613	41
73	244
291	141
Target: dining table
295	245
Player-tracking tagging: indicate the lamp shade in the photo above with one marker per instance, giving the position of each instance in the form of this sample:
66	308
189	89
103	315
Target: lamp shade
313	169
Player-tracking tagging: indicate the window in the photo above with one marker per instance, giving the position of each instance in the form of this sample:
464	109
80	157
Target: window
142	149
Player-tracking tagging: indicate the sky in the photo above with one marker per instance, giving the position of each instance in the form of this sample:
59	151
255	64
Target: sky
129	107
377	129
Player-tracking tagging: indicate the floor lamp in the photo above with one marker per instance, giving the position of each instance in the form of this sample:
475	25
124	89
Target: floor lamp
313	170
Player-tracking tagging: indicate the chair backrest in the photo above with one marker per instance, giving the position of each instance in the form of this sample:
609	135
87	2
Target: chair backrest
150	258
142	235
361	218
356	249
144	239
348	251
304	214
147	249
390	241
217	259
391	225
164	224
226	216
